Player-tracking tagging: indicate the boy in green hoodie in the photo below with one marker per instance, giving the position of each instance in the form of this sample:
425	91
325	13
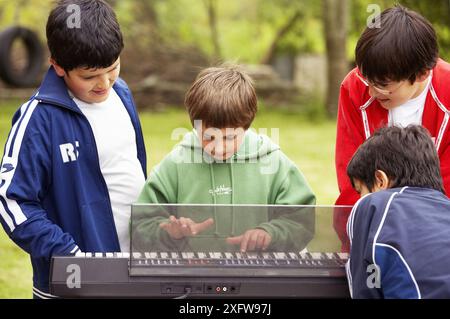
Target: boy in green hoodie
223	162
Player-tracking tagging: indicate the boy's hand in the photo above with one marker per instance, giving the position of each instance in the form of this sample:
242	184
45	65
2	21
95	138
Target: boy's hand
184	227
253	239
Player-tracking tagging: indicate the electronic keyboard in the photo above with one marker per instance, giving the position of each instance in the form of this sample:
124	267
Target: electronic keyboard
200	275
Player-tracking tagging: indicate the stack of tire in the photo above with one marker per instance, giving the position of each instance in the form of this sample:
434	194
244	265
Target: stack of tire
28	76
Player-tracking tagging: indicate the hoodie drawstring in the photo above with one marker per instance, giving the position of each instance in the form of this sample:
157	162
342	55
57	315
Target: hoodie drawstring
213	182
233	219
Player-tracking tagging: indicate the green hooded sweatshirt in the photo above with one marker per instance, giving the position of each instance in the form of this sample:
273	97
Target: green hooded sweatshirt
258	173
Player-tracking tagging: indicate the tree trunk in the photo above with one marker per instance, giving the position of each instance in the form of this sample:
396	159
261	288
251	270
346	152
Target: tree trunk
335	18
147	35
211	7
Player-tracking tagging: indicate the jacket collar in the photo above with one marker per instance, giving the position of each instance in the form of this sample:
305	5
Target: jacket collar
54	91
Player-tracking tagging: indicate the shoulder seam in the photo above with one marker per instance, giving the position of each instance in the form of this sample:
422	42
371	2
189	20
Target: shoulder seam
404	262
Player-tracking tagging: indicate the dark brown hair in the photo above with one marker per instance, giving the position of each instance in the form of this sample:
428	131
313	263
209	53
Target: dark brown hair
222	97
404	47
407	156
96	43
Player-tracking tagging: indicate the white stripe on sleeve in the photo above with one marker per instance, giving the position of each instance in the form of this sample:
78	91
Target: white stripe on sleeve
11	205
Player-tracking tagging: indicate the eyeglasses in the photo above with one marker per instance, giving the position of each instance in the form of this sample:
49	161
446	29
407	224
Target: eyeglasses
382	91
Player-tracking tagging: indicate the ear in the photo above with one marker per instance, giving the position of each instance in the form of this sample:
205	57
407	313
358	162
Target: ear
423	76
59	70
382	181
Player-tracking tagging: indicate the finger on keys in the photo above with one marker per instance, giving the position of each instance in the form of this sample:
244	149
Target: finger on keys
235	240
245	241
252	243
260	240
267	241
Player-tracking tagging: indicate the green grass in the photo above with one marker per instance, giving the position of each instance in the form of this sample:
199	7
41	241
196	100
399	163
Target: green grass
310	144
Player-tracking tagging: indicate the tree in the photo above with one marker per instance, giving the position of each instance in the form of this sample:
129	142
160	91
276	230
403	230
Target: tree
285	29
335	19
211	7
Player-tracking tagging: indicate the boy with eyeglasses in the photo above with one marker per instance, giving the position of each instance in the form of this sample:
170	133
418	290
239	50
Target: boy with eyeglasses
399	80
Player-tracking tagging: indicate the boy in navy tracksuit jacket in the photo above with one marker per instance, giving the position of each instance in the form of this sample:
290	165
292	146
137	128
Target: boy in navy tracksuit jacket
399	229
74	159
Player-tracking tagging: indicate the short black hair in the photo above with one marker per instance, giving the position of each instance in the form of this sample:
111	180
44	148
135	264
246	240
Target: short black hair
403	48
96	42
408	156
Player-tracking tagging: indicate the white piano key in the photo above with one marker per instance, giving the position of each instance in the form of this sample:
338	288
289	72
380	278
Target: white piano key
98	255
136	255
215	255
316	255
88	255
239	256
150	255
125	255
80	254
304	255
191	255
109	255
329	255
252	255
229	256
174	255
164	255
185	255
279	255
202	255
343	255
266	256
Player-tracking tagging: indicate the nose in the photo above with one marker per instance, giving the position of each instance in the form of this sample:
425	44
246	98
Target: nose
373	92
219	147
103	82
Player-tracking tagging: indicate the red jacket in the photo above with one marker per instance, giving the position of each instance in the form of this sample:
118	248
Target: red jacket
359	116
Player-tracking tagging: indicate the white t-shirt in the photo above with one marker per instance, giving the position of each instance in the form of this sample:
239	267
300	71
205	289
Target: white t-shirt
116	145
410	112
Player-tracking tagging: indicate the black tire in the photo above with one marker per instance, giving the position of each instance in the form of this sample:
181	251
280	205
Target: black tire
31	73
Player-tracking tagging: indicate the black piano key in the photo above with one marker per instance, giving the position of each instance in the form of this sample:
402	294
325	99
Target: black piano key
293	256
